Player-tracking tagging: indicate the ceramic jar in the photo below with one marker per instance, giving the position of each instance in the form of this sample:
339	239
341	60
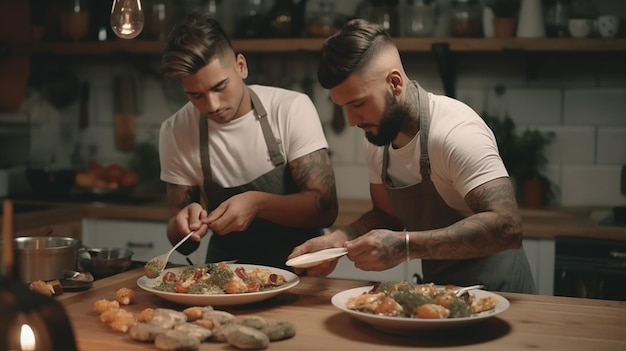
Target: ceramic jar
531	22
466	18
418	18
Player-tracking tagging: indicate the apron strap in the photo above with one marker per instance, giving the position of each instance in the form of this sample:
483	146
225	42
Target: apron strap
424	119
272	146
205	161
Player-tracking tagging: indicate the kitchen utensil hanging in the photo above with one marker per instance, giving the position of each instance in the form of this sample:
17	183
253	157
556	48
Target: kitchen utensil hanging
125	105
83	118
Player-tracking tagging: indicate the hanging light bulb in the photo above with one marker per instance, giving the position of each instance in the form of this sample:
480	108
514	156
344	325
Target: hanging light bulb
127	18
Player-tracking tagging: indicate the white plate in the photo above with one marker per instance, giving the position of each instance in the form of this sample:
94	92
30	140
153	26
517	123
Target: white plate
291	280
403	325
313	258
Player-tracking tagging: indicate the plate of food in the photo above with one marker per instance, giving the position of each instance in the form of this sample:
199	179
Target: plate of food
405	308
219	284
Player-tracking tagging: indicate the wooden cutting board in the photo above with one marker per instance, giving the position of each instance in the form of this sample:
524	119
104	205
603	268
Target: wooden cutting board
125	131
15	37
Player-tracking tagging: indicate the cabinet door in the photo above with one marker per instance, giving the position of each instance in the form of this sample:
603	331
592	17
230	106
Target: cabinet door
146	239
540	253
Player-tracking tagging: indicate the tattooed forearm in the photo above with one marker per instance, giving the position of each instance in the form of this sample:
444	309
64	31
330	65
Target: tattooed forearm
180	196
495	226
314	173
393	248
371	220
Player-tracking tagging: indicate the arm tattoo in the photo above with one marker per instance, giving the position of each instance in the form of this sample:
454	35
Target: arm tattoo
371	219
391	248
179	196
494	226
314	173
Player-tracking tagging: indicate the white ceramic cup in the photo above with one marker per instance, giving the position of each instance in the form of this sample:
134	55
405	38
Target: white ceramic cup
608	26
579	27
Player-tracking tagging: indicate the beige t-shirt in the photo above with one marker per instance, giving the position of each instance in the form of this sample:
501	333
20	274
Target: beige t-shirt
237	150
462	150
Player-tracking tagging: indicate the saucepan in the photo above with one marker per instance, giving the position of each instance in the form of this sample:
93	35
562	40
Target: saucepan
44	257
105	261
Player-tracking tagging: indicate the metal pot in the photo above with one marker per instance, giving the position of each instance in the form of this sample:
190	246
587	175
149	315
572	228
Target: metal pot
43	257
104	262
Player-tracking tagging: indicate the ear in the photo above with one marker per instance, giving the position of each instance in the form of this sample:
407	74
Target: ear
397	82
241	66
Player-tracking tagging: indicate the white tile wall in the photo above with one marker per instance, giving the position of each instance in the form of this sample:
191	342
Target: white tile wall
595	106
611	145
572	145
534	106
591	186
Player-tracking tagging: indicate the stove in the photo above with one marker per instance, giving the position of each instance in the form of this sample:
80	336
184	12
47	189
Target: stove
590	268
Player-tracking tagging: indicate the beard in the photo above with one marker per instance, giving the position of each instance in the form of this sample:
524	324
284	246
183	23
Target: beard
391	124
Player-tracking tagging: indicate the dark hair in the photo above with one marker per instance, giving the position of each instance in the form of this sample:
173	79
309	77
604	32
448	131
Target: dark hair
193	42
349	50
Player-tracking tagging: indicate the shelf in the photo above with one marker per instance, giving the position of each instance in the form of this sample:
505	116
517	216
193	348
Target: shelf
444	49
287	45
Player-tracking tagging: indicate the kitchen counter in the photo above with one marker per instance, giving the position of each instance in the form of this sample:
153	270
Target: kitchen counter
539	224
531	322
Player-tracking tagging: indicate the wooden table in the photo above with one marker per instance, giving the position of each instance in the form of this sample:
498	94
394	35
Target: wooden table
532	322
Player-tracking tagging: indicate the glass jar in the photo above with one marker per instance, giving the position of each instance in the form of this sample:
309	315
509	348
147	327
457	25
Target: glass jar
324	24
466	18
419	18
281	19
556	19
386	13
252	25
74	19
159	17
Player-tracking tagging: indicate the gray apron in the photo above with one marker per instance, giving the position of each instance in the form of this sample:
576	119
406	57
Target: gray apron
264	242
420	207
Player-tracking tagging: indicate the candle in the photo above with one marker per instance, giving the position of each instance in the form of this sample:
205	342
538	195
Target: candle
27	338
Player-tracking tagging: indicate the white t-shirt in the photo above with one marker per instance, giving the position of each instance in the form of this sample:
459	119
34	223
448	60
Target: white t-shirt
237	150
462	150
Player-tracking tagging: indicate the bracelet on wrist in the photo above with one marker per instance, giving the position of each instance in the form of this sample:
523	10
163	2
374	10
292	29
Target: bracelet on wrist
406	241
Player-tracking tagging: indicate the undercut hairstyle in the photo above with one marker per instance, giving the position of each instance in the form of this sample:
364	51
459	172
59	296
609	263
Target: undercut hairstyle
193	43
349	50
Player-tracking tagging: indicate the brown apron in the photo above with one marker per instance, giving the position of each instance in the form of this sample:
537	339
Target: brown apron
264	242
420	207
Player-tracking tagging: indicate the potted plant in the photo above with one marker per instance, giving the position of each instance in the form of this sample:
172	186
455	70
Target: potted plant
524	157
504	20
530	166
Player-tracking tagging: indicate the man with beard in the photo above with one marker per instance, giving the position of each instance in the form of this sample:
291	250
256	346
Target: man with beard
248	162
439	189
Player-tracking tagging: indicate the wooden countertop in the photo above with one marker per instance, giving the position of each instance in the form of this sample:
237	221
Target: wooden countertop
531	322
538	224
